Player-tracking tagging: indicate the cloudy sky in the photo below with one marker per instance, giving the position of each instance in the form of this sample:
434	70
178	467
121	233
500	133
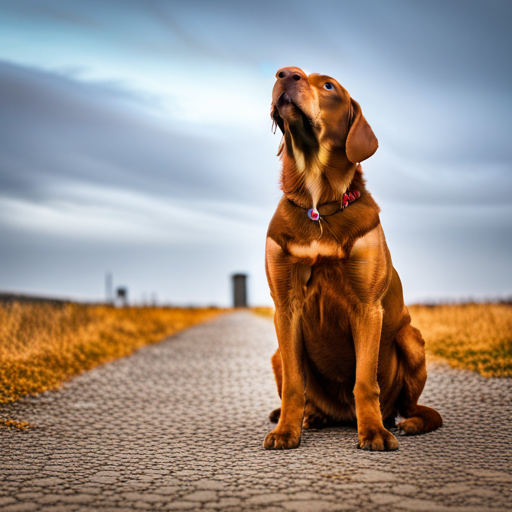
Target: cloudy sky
135	138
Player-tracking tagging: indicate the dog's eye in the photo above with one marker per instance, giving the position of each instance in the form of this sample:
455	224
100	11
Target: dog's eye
328	86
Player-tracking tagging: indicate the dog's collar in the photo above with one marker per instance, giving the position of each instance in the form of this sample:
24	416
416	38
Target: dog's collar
328	209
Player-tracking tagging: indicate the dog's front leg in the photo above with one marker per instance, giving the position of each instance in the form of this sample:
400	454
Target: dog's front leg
287	280
366	329
289	334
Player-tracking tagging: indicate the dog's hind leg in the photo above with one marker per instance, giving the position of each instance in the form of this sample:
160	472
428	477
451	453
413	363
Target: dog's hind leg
313	417
277	366
418	419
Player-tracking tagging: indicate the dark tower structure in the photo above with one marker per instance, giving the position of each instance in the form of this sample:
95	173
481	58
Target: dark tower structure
239	290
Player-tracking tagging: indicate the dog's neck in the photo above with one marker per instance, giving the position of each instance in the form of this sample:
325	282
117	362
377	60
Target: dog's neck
315	179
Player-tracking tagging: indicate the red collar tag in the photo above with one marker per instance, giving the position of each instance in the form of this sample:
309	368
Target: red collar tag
314	214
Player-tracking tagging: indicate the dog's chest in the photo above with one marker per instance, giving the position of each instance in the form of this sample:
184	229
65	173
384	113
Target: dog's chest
316	249
326	327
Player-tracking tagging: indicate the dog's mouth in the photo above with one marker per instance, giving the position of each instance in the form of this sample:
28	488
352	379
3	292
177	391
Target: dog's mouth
285	107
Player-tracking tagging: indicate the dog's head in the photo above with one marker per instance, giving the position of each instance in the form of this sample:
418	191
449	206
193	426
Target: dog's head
315	112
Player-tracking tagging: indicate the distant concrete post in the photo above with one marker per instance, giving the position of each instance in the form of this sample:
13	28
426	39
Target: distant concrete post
239	290
108	288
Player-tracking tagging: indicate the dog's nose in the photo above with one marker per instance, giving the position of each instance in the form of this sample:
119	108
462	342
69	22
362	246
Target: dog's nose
290	73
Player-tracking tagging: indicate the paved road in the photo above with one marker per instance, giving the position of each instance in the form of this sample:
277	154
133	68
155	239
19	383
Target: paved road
180	425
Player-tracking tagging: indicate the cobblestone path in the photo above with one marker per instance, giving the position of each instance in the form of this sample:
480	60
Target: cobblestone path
180	425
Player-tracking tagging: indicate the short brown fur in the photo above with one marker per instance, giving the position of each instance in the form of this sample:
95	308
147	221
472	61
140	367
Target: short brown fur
347	350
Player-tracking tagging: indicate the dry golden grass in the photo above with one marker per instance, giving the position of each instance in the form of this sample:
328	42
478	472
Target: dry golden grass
472	336
264	311
17	425
42	344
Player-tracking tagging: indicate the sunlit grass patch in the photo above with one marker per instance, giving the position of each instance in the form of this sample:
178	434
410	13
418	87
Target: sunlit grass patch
17	425
471	336
43	344
264	311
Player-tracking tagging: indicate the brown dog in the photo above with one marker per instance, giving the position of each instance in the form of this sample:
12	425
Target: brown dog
347	349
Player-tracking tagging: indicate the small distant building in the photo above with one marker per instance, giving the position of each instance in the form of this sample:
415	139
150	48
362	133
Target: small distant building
122	296
239	290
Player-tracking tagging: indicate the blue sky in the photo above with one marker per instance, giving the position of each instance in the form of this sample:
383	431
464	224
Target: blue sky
135	138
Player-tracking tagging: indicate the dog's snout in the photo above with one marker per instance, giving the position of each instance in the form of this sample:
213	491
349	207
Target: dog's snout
290	73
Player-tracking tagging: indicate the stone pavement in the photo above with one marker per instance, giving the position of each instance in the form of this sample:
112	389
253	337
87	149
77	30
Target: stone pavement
180	425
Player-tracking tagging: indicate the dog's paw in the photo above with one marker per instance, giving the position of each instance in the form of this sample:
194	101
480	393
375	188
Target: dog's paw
282	440
423	420
377	439
275	415
314	420
410	426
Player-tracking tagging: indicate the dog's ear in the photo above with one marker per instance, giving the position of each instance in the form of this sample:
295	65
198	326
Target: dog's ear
361	141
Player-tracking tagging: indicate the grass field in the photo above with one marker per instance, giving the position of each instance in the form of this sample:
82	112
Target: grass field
42	344
471	336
